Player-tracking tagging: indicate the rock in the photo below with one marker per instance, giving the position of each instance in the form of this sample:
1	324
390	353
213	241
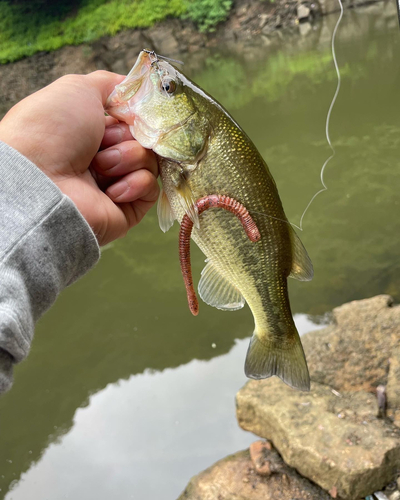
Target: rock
163	40
305	28
380	495
354	352
263	20
303	12
259	454
333	492
234	477
393	384
333	435
119	66
394	416
328	6
336	441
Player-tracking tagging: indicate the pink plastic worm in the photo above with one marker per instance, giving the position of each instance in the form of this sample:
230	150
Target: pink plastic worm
212	201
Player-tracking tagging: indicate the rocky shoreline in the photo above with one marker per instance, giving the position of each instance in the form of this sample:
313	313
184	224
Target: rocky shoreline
249	20
340	440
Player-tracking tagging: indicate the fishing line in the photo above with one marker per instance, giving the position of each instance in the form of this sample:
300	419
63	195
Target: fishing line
398	8
169	59
328	117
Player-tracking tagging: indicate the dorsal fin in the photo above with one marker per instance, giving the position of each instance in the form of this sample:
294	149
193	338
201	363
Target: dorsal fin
164	211
302	268
217	291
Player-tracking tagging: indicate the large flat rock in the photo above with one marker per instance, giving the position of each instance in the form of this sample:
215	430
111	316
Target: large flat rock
333	435
336	441
393	384
235	478
354	352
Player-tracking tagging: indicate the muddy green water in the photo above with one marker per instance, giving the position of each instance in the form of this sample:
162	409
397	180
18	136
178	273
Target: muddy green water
125	394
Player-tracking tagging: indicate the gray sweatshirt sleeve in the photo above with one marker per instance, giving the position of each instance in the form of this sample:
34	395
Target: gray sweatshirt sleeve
45	245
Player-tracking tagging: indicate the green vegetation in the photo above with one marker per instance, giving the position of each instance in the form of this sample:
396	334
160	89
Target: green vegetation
208	13
42	25
235	85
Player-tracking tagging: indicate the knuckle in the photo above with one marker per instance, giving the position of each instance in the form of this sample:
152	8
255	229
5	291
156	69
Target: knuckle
148	178
71	78
100	73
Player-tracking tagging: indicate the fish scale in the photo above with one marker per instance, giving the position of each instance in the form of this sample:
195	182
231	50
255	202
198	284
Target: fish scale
202	151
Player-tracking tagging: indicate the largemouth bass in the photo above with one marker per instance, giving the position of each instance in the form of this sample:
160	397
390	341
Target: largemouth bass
202	151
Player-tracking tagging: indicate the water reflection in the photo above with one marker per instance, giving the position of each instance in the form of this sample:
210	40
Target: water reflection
129	316
145	436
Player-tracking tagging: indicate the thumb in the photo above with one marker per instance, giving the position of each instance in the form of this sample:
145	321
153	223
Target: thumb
103	82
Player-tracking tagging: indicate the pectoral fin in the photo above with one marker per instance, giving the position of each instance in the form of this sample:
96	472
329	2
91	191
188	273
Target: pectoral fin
164	211
188	203
302	268
216	291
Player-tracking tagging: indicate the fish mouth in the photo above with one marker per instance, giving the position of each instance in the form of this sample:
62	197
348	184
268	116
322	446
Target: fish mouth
131	90
121	103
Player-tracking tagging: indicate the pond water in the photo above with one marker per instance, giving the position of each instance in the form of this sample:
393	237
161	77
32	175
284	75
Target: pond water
127	395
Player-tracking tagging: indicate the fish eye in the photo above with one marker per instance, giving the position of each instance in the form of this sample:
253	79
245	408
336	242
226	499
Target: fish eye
168	85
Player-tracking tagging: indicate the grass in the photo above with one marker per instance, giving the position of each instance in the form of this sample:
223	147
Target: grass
30	27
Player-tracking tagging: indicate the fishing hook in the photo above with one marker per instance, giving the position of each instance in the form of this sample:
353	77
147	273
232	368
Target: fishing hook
164	58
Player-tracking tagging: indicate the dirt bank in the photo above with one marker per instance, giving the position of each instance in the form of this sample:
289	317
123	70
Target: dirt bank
249	20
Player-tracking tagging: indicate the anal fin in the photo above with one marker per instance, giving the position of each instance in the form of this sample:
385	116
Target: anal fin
217	291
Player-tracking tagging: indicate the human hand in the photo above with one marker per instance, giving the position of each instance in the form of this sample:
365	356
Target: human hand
61	129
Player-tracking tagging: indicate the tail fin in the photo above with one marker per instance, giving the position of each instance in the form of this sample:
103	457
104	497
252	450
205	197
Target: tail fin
266	358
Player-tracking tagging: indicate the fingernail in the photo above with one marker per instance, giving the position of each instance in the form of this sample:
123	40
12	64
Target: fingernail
109	158
114	134
118	189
